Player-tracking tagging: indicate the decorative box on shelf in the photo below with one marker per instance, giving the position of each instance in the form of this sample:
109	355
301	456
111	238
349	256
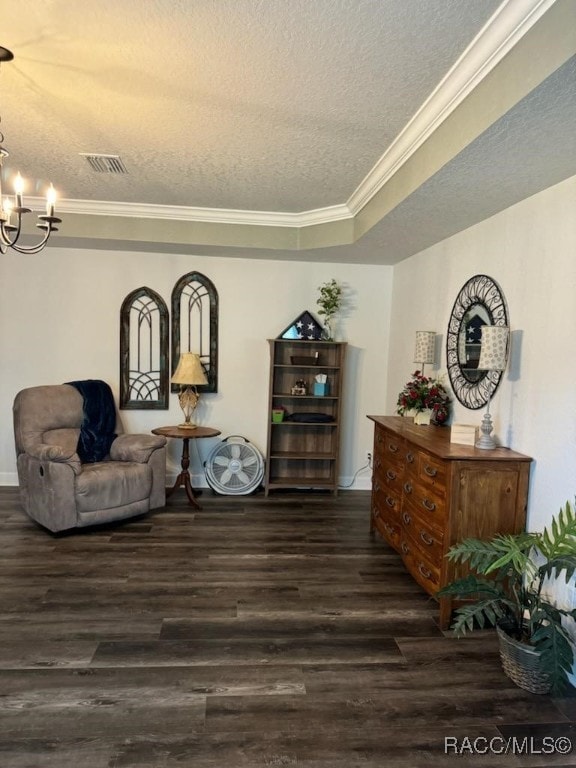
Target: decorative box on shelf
465	434
278	415
299	388
304	359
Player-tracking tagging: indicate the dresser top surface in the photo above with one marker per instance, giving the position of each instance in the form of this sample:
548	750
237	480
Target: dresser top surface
436	440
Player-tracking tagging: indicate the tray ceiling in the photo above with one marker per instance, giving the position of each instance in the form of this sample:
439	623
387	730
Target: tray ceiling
333	130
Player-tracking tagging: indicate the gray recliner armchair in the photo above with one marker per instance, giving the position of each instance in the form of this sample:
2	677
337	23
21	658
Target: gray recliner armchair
56	488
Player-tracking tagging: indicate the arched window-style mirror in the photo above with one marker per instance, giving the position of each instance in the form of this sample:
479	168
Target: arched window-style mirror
195	325
479	303
143	351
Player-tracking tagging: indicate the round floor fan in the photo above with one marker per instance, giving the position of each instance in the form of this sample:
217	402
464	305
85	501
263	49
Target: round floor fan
234	467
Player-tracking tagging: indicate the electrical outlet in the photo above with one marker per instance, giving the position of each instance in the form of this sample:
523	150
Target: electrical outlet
369	458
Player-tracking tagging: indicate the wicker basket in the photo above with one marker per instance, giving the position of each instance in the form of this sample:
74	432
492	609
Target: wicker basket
522	664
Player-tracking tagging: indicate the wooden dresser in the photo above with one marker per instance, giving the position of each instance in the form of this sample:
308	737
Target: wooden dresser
429	493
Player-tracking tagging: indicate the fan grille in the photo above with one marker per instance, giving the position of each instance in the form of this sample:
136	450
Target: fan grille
234	468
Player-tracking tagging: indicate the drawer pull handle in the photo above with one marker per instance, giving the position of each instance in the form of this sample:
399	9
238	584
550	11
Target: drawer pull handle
390	474
392	448
430	471
406	517
376	487
389	530
426	538
390	501
375	513
410	457
429	505
379	438
378	464
404	548
424	571
407	488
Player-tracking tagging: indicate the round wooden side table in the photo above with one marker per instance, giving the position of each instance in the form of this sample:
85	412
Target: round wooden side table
185	434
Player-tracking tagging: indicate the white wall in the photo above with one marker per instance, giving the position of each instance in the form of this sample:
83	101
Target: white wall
530	251
59	320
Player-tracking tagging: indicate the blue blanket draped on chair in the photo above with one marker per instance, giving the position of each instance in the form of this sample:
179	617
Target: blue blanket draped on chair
97	429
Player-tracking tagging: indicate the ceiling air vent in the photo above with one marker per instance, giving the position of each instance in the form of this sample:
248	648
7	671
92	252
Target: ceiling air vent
105	163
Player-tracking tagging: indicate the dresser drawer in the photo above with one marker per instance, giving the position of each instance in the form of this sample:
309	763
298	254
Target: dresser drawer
428	540
388	527
389	450
387	476
429	470
387	500
388	472
428	505
386	520
427	574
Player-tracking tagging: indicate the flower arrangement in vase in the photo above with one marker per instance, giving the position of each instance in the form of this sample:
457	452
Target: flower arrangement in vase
425	394
329	301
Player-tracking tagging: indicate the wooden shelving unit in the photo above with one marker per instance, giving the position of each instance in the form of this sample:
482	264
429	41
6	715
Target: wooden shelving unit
304	453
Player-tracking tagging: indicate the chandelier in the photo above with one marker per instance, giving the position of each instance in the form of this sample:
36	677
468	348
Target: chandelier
12	209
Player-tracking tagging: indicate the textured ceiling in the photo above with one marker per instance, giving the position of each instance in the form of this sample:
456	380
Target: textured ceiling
278	106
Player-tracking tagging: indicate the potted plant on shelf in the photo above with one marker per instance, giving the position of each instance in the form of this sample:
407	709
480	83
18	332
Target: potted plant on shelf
506	587
329	301
427	398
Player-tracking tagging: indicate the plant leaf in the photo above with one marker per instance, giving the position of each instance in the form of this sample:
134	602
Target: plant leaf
562	562
472	586
556	654
482	612
515	551
561	539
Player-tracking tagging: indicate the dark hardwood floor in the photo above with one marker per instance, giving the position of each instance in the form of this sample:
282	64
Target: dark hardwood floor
257	632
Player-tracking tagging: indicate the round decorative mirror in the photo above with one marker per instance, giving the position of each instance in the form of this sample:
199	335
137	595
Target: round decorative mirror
479	303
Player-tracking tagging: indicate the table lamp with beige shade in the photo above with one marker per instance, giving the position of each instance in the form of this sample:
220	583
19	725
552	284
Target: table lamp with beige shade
189	374
493	357
424	348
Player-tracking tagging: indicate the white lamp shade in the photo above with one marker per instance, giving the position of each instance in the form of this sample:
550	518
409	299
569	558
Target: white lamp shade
189	371
425	346
493	348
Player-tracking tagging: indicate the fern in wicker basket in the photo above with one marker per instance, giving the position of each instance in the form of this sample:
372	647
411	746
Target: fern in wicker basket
505	588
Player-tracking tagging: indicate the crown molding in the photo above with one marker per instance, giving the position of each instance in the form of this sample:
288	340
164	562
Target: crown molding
500	34
206	215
